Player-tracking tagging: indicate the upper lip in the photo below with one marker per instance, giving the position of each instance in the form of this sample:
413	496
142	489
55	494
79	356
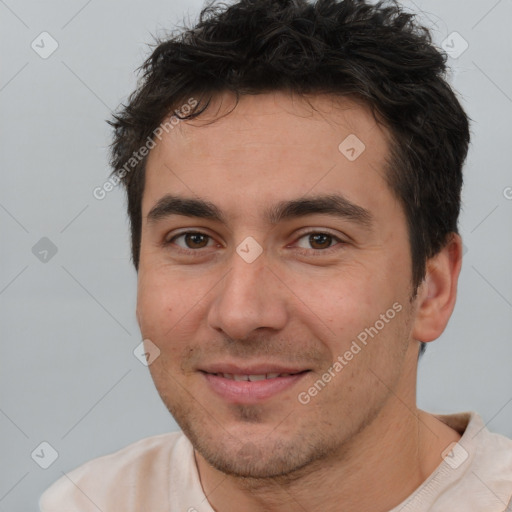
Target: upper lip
253	369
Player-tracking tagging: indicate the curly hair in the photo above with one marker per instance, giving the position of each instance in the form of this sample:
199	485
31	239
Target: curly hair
375	52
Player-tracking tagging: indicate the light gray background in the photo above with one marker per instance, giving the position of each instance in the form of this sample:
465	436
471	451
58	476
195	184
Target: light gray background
67	326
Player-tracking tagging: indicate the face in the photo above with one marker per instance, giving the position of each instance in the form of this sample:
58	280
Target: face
275	280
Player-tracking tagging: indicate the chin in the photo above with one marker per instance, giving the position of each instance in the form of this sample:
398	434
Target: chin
251	461
256	451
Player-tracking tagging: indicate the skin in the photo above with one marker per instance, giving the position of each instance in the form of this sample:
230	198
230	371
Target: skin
361	441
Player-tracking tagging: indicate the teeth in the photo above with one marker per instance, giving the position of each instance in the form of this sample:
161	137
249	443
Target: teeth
253	378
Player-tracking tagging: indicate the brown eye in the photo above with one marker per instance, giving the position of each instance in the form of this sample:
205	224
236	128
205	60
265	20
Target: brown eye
316	241
191	240
320	240
196	240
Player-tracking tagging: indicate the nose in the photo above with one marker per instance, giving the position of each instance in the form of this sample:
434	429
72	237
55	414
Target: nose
250	297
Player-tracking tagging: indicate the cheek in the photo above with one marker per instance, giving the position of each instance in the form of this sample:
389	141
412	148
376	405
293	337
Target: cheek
342	303
160	304
159	311
171	310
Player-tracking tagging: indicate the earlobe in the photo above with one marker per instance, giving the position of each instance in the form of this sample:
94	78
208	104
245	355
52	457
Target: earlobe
436	295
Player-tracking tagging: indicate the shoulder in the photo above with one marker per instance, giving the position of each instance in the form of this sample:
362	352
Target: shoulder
486	476
491	451
108	482
494	455
482	464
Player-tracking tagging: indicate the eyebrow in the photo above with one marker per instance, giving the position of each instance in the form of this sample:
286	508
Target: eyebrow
333	204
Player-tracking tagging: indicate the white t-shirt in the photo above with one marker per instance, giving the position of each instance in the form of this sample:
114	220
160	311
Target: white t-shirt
159	474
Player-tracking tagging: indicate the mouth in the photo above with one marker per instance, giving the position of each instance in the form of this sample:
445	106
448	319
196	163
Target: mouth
253	377
245	386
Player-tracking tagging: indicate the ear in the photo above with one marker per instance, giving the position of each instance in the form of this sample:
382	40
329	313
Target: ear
437	293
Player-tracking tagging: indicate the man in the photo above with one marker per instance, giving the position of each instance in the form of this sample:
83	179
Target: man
293	173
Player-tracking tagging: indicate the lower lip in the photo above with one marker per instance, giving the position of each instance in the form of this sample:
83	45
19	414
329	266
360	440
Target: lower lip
247	392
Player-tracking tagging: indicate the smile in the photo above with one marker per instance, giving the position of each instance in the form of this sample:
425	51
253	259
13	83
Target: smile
250	388
253	378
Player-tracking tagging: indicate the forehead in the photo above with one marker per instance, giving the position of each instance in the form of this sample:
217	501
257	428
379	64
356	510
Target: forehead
279	119
268	147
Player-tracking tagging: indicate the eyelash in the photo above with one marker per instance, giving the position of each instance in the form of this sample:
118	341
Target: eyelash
304	252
